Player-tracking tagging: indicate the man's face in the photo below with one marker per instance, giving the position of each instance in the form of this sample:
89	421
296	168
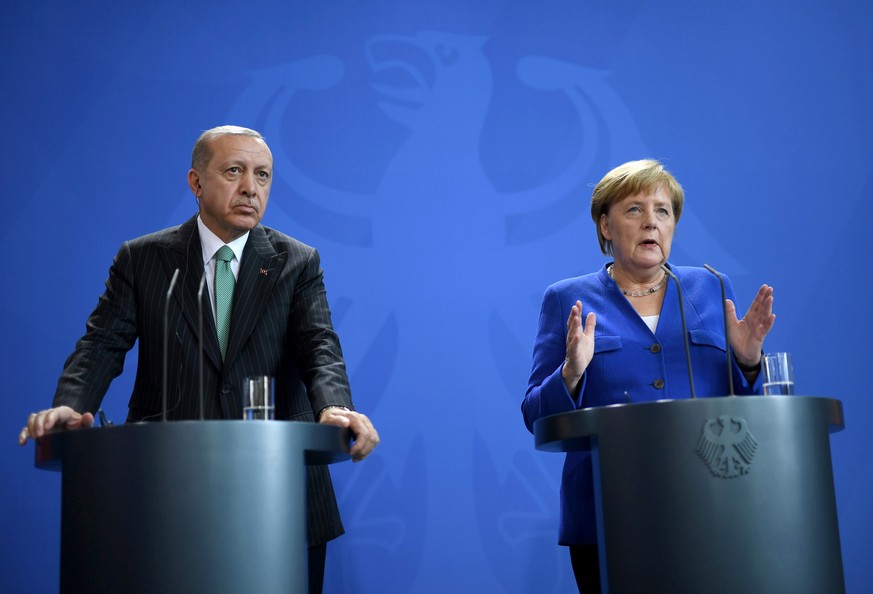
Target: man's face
233	188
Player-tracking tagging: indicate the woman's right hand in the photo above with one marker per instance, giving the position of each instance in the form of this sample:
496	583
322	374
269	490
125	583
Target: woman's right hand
580	347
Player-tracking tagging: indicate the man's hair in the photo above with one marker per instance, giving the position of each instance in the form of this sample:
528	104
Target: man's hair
201	155
633	177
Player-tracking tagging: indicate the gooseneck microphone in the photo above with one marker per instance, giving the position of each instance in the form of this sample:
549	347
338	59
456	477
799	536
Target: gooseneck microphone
684	328
166	340
200	344
727	344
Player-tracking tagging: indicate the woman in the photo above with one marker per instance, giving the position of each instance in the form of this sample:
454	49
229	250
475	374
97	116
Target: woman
630	347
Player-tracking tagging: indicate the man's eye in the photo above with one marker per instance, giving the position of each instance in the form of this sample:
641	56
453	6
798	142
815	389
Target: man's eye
263	175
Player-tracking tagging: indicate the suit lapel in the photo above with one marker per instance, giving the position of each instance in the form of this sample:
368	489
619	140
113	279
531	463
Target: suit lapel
259	270
184	252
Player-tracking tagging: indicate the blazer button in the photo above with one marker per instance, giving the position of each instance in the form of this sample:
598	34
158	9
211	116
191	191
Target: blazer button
225	389
659	384
655	348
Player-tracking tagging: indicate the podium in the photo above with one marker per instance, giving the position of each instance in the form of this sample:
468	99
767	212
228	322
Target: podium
187	506
715	495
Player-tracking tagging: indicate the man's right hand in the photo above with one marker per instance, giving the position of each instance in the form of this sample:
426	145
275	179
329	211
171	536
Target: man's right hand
53	419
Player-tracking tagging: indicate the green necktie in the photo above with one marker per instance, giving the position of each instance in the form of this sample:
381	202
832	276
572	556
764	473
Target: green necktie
224	284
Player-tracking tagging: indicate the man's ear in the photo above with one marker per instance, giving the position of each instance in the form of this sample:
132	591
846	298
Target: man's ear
194	182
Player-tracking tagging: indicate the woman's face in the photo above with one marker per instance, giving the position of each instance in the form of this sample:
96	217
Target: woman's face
640	228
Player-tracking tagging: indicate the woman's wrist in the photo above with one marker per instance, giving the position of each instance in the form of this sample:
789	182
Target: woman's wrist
747	368
571	380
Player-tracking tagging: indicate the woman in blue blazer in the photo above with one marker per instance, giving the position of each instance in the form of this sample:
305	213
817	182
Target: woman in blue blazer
630	346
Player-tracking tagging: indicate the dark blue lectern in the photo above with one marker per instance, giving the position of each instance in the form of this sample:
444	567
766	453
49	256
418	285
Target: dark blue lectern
190	506
717	495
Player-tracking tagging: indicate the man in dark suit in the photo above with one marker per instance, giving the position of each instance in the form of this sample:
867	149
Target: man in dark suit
279	323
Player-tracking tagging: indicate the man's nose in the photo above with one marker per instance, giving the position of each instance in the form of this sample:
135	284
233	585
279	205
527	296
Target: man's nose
247	184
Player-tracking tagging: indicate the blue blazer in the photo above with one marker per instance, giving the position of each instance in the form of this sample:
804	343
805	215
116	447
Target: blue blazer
630	364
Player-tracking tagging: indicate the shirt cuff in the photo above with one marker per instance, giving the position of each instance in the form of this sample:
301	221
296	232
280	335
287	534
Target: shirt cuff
321	412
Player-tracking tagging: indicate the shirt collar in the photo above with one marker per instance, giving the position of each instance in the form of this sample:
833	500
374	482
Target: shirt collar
210	243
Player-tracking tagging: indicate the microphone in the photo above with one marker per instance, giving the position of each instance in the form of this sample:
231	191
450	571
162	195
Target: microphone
200	343
104	420
166	340
727	344
684	328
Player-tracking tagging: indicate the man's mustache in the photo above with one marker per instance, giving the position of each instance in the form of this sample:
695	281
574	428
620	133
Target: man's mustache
251	201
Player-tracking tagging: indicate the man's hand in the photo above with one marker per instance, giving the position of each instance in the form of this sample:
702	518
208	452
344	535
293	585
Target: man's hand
364	435
62	417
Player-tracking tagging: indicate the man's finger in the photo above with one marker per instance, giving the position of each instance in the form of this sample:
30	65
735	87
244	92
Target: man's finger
366	438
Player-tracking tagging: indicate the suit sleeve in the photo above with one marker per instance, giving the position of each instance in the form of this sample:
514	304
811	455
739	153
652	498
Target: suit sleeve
315	343
546	393
110	333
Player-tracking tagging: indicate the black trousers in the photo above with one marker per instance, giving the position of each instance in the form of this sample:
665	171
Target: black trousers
586	568
315	565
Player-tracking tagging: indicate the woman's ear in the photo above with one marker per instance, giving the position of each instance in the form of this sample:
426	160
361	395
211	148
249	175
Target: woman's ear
604	227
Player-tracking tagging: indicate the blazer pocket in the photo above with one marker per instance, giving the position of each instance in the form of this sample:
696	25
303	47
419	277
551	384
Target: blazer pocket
707	338
604	344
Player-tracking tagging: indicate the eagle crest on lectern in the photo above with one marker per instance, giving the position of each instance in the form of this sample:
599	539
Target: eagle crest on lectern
727	446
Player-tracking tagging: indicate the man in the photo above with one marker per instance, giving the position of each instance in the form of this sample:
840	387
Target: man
278	322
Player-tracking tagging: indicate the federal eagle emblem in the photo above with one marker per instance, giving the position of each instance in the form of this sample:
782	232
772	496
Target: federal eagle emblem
726	446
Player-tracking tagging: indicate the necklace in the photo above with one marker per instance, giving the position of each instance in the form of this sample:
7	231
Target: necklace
642	293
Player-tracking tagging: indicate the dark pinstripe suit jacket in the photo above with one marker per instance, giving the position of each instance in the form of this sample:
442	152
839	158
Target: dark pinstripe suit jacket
280	326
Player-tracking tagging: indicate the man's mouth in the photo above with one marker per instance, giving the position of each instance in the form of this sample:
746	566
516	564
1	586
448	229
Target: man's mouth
247	206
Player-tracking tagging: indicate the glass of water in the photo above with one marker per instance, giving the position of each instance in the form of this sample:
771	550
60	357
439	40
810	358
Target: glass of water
778	374
258	398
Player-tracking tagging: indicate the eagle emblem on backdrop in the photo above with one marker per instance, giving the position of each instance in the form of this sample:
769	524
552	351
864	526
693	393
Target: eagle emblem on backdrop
727	446
417	166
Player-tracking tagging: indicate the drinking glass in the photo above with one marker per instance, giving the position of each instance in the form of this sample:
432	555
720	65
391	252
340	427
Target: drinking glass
778	374
259	398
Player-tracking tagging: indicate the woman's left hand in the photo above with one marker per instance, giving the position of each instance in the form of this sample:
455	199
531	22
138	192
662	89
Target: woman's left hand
746	336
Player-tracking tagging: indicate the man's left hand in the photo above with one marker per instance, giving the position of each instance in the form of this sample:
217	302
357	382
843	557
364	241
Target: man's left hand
365	438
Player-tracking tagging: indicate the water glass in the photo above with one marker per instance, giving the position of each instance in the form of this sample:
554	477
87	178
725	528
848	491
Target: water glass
778	374
258	398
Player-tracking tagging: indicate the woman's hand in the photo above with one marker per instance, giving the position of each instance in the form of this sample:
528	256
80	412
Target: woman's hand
746	336
580	347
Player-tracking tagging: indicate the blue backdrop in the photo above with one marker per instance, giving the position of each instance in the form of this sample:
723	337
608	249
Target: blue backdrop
441	156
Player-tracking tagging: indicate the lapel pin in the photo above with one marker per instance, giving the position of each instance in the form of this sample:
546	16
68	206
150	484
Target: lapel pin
264	272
